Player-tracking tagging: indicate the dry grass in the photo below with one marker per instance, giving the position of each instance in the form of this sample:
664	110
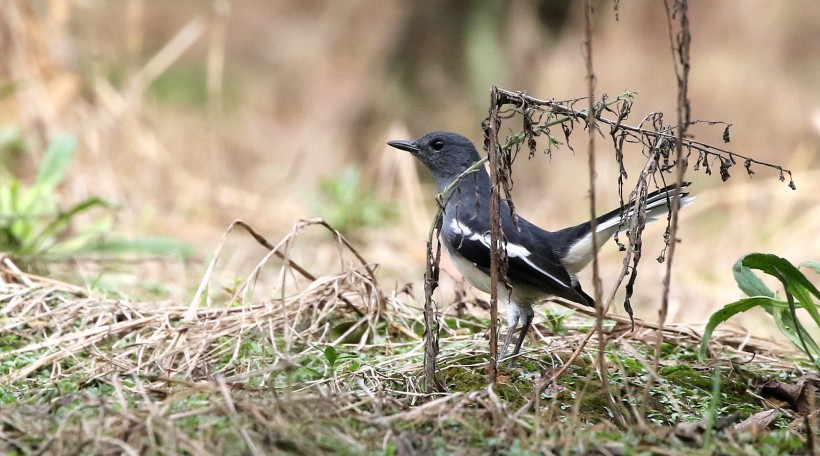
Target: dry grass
233	373
292	93
152	356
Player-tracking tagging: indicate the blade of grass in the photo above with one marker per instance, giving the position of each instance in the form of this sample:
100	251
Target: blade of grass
714	404
793	331
38	245
749	282
782	269
811	264
59	156
728	311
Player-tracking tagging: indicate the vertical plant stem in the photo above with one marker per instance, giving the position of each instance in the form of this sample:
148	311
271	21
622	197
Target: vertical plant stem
431	273
495	232
217	33
596	278
714	403
680	50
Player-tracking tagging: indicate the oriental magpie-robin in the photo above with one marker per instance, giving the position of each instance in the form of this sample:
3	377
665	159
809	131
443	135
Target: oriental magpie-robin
540	263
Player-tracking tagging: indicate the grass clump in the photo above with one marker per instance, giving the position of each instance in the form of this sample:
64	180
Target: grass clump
81	372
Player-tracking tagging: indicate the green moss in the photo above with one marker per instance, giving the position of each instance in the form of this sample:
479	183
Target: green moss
632	367
512	387
462	379
682	375
686	376
472	324
678	352
697	385
528	365
594	404
516	393
581	368
667	349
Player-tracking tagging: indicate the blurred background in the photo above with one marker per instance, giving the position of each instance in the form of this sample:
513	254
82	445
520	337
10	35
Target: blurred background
191	114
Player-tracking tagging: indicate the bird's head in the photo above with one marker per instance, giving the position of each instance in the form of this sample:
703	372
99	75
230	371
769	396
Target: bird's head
447	155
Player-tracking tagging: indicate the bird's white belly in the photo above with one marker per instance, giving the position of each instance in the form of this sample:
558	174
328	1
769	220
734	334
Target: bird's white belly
480	280
470	271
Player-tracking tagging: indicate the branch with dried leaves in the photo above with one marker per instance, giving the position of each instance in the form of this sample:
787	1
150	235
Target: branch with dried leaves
563	113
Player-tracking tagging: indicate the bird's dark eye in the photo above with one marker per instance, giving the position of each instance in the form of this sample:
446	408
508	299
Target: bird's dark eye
438	145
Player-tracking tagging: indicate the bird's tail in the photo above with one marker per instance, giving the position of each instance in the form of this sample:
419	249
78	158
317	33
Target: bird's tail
575	243
657	205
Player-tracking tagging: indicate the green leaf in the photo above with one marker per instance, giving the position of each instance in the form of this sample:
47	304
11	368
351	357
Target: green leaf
804	297
331	355
153	245
779	267
788	327
727	312
749	282
39	243
59	155
348	205
8	194
796	285
811	264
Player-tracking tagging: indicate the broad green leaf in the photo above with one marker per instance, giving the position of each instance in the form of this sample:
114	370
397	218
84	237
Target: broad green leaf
145	244
792	279
807	343
811	264
797	286
75	244
749	282
788	327
7	193
727	312
60	223
13	197
781	268
58	158
782	315
804	298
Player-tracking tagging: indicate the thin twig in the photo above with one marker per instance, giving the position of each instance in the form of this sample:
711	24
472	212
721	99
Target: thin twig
596	277
496	234
681	55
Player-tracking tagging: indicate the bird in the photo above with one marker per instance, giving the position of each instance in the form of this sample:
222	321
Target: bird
541	264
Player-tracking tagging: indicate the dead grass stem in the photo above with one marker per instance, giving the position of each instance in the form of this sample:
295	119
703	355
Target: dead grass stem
153	374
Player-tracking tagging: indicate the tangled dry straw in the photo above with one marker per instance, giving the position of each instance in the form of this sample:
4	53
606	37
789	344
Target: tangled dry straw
56	333
228	372
172	339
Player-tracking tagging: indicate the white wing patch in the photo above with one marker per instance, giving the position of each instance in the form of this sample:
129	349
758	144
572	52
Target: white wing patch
460	229
513	250
529	263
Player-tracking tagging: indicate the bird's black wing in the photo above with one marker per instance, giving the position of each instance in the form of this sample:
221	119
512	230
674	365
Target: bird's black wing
531	261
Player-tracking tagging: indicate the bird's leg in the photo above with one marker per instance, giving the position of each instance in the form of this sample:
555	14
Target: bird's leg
527	316
512	323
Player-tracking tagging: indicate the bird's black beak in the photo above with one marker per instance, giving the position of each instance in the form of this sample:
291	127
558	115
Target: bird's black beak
409	146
